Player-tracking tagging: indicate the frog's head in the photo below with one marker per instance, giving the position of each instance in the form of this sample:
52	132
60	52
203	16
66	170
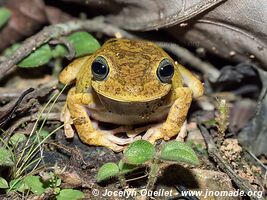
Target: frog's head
132	71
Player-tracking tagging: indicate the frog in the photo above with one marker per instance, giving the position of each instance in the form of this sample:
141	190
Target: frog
127	83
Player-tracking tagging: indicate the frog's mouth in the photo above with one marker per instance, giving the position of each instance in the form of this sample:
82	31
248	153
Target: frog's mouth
135	107
134	99
132	96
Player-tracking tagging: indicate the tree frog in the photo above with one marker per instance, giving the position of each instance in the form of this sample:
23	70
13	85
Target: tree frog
127	83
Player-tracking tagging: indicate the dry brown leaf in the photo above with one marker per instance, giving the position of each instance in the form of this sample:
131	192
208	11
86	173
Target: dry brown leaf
27	17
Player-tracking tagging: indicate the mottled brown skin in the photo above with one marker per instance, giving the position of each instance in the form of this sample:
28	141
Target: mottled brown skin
131	94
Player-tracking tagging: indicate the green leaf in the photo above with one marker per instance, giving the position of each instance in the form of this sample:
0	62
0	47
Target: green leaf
83	42
106	171
17	138
70	194
179	152
126	168
39	57
42	134
59	51
58	182
3	183
5	157
35	184
10	50
18	185
198	147
15	184
4	16
139	152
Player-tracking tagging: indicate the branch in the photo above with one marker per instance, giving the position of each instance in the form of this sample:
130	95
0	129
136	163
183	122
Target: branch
57	31
11	110
32	118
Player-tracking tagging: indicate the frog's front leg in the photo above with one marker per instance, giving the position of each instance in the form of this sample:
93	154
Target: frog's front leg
88	134
175	118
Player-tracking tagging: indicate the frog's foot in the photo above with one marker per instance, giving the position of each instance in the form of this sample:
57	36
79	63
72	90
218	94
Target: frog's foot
134	132
183	132
153	134
106	139
65	117
121	141
157	132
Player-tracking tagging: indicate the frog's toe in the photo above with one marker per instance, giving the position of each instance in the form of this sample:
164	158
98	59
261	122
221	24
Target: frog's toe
183	132
153	134
66	118
120	141
116	148
103	139
69	132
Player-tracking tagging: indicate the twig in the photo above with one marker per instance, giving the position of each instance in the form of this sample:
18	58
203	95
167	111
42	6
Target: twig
256	159
190	58
70	47
8	114
40	91
137	178
214	153
31	99
32	118
54	32
6	94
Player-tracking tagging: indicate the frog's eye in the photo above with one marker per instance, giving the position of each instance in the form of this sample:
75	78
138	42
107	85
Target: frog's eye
100	68
165	71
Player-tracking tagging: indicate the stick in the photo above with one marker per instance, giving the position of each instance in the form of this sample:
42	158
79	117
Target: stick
54	32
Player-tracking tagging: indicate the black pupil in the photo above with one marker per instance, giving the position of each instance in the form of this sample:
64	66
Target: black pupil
99	68
166	71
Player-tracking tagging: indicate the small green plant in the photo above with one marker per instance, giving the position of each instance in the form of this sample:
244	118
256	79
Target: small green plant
48	183
141	153
21	156
222	118
82	42
200	148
